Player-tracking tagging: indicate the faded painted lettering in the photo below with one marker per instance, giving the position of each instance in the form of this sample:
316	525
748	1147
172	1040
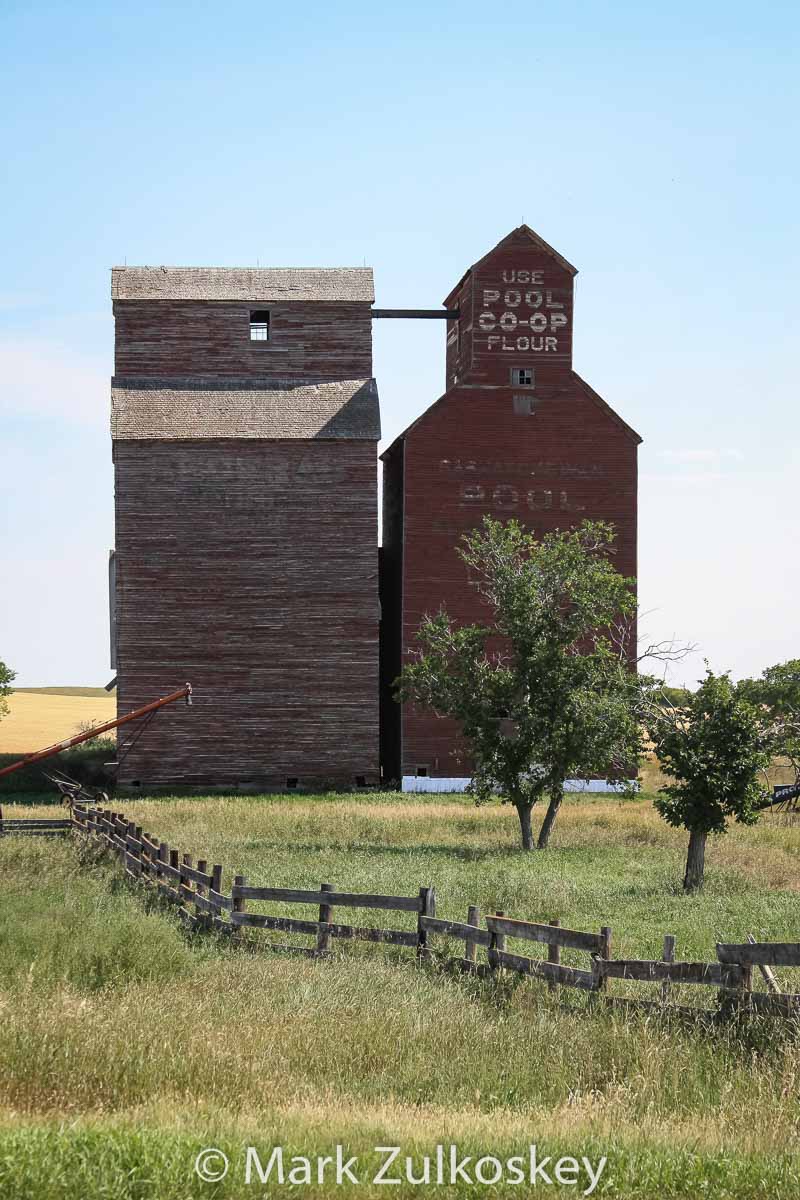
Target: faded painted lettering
529	305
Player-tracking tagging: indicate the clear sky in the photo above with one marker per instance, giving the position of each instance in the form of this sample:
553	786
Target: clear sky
655	146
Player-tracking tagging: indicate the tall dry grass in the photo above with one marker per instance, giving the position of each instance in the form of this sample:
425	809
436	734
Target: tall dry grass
140	1046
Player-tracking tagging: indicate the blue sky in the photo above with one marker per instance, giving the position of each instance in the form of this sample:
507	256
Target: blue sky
654	146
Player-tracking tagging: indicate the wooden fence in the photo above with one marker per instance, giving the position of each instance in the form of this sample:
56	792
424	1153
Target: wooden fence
203	904
35	827
197	891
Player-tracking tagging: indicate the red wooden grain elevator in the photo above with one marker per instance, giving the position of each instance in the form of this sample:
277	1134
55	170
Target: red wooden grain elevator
244	423
518	434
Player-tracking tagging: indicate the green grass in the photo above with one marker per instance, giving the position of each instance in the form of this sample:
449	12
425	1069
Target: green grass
613	862
125	1047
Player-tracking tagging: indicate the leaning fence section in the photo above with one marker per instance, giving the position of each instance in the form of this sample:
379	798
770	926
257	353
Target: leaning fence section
196	889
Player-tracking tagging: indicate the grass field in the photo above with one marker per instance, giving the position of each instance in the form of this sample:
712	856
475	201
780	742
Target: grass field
39	717
126	1048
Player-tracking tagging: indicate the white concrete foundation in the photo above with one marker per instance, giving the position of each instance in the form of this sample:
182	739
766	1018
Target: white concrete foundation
428	783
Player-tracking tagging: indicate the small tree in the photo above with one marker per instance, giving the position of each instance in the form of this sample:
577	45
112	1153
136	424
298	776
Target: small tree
7	676
714	748
544	690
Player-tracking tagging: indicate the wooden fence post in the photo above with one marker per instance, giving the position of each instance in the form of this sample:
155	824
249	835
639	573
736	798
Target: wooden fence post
238	901
497	943
427	908
174	862
163	856
325	913
501	937
604	955
216	886
471	947
667	956
187	862
200	915
127	852
554	953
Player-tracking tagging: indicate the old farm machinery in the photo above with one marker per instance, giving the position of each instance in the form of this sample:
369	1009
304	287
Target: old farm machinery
786	797
71	789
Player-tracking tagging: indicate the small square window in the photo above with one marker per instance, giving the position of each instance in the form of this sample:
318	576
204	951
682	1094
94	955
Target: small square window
291	782
422	771
524	406
522	376
259	326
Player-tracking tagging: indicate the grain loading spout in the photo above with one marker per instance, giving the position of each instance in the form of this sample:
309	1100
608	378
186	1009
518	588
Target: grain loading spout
146	710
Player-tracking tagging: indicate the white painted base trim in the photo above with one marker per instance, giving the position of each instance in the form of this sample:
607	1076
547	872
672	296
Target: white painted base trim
428	783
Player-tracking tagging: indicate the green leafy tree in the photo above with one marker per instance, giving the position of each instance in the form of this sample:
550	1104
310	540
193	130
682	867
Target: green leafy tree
544	690
675	697
7	676
777	692
714	749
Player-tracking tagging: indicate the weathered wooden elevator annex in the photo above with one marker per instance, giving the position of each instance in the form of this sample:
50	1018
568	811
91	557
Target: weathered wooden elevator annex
518	434
244	423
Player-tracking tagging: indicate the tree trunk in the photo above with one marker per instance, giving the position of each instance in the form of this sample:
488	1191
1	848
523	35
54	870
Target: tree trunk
524	814
556	796
695	861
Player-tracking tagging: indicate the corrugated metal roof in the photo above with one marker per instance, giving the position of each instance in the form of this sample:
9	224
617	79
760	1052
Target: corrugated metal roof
249	284
173	409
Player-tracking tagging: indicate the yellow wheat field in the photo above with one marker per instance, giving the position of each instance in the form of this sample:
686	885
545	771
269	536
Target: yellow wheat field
37	719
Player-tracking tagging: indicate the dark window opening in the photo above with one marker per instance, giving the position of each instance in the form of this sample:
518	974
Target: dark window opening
291	782
522	376
259	326
422	770
361	781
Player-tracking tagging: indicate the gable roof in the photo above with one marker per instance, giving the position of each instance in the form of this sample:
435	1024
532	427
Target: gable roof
248	284
186	409
602	404
522	235
584	386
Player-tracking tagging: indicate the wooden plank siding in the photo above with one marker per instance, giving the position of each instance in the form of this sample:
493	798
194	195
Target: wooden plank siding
473	452
247	565
207	338
250	569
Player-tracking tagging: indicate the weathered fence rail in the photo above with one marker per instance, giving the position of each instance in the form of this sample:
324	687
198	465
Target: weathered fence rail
197	891
35	826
